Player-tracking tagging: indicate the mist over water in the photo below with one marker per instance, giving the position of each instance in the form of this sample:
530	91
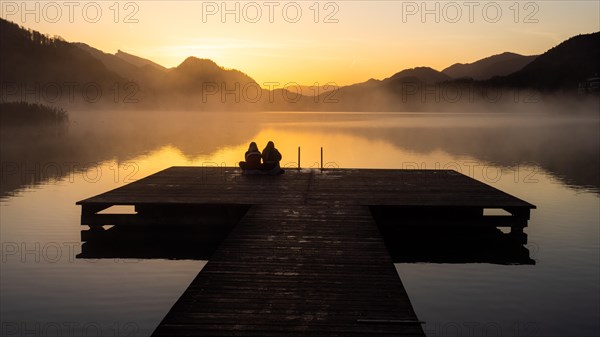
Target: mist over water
550	160
565	146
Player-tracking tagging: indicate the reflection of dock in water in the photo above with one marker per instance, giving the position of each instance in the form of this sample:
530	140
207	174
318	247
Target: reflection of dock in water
305	255
454	245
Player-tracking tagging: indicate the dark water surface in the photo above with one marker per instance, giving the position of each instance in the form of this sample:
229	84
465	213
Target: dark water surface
550	161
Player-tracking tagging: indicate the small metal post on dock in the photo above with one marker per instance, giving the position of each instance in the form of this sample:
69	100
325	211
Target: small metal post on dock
321	158
298	157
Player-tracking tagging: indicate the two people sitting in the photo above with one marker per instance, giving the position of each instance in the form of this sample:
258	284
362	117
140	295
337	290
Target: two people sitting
270	160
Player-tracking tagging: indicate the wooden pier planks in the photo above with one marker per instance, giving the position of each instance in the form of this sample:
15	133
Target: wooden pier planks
226	185
297	271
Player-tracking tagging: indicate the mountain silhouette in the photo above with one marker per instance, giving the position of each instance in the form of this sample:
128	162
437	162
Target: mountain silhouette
138	61
194	73
387	94
420	74
185	81
29	58
34	62
560	68
147	74
112	62
486	68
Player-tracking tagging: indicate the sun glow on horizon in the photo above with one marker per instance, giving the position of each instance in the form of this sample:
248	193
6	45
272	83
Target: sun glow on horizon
344	42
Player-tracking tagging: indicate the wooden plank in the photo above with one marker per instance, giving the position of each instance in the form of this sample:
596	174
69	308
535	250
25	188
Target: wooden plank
298	270
203	185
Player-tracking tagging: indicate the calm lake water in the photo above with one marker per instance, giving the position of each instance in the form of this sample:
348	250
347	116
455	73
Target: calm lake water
550	161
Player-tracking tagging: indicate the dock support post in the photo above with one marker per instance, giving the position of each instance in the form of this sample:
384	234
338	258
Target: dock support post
298	157
517	235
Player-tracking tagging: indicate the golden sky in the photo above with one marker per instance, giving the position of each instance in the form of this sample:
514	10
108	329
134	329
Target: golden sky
305	42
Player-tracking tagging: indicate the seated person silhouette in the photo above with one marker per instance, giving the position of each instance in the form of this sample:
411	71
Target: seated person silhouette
271	157
252	158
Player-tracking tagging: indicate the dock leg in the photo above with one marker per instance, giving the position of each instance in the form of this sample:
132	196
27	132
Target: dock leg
517	234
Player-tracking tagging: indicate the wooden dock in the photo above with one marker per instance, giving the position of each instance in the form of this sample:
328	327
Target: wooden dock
297	271
306	257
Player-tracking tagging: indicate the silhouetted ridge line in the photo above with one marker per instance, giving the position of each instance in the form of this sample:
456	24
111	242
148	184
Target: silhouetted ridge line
561	68
486	68
31	59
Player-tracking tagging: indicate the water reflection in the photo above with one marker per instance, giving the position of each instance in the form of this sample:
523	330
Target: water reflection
193	232
454	245
410	243
153	242
30	157
566	147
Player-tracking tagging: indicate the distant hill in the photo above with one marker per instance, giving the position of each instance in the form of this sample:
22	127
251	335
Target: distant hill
380	95
127	65
202	84
112	62
420	74
138	61
185	82
193	73
29	59
496	65
560	68
311	90
144	72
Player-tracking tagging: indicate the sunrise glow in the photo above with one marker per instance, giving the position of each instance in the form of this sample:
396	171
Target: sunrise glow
306	42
